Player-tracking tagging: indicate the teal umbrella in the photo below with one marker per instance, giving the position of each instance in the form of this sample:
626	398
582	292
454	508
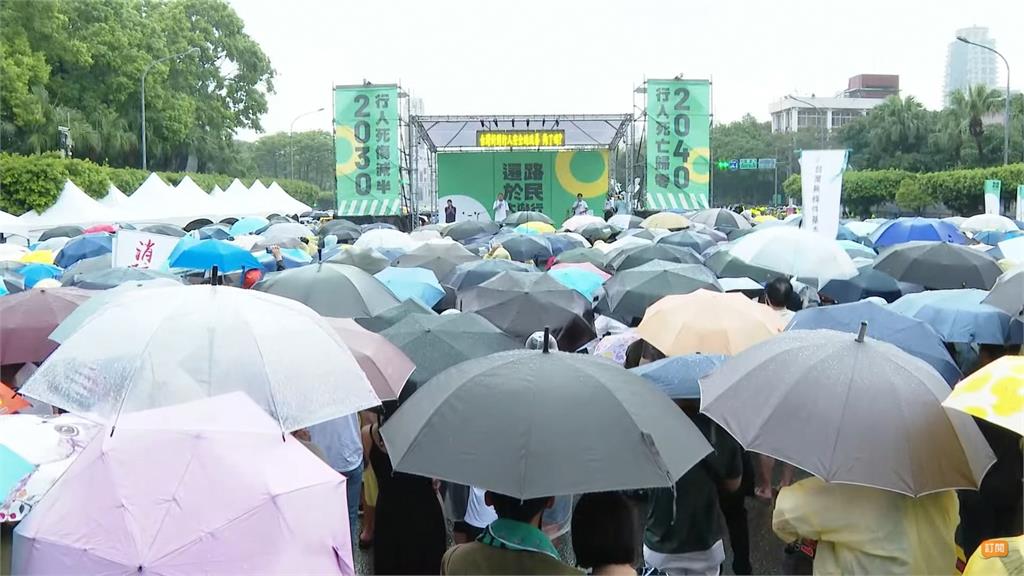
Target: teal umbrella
417	284
583	281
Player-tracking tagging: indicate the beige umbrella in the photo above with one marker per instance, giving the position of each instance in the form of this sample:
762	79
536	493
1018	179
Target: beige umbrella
706	322
386	366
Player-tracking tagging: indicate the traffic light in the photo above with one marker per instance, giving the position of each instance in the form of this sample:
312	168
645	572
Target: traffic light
722	164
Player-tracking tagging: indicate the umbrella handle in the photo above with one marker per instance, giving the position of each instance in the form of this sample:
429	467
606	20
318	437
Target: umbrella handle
214	275
547	334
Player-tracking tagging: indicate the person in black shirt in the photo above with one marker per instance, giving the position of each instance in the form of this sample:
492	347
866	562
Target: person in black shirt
449	213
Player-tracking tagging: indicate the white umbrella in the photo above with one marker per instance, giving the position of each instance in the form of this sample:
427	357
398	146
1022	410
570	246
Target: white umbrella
988	222
576	222
1013	249
385	238
286	230
795	252
861	228
164	346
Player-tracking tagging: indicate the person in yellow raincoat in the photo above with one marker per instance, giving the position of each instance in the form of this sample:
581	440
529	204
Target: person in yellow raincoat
497	252
1001	557
862	530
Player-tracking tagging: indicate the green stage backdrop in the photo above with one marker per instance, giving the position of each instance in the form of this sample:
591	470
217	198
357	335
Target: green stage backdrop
366	150
542	181
678	144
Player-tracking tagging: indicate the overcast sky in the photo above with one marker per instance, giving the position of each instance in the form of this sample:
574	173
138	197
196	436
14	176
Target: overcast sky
585	56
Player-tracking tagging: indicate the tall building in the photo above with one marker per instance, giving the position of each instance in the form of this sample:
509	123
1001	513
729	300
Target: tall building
863	92
968	65
423	162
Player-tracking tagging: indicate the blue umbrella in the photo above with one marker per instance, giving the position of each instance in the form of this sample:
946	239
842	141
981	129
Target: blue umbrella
911	335
292	257
583	281
903	230
960	316
418	284
523	248
559	244
678	376
206	254
845	233
184	242
82	247
248	225
33	273
991	237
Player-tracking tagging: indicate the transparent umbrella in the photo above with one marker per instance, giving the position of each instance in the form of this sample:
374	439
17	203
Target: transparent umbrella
164	346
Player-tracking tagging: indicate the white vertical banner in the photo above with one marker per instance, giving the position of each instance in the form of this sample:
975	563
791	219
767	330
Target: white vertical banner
821	183
1020	202
992	190
135	249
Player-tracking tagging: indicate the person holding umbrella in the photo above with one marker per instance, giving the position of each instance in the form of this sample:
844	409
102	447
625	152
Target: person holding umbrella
512	544
684	528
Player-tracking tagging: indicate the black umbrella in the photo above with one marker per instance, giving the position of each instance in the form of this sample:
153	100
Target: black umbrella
560	244
470	274
867	283
230	220
165	229
278	219
197	224
87	265
630	292
687	239
939	265
393	315
469	228
106	279
722	263
521	303
62	232
336	290
335	226
517	218
635	256
737	233
526	248
596	231
215	231
441	258
720	218
435	343
345	235
581	255
367	259
449	301
641	233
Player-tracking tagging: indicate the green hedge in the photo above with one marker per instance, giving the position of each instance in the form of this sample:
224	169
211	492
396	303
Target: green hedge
962	191
34	182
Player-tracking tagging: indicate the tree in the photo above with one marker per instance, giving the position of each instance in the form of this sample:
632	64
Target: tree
84	58
910	196
972	107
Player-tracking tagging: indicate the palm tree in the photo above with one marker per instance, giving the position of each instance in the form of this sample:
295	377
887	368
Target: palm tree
900	125
971	107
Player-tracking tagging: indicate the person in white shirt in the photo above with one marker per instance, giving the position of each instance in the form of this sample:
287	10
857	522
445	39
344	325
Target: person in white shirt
500	209
580	206
342	444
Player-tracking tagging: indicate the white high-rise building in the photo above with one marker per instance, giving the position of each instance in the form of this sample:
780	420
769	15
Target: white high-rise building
968	65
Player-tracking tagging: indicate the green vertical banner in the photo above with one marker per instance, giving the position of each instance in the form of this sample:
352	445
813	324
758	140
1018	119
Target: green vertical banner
678	144
992	190
367	158
1020	203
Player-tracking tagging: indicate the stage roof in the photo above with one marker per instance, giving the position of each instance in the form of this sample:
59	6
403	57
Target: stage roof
455	133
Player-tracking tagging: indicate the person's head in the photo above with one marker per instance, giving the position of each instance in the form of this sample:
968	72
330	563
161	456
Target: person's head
605	530
450	203
511	508
251	277
778	292
988	353
579	196
501	196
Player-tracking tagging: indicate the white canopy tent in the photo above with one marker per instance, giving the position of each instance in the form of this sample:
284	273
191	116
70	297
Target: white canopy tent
73	206
287	204
197	201
114	197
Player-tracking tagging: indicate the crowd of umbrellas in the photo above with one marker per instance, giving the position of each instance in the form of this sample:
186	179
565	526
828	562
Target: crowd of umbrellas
182	387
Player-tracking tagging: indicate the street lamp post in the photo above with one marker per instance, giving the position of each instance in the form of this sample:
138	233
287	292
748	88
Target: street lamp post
1006	98
142	93
291	146
824	118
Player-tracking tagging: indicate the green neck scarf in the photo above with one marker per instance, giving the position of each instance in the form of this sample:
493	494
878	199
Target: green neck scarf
513	535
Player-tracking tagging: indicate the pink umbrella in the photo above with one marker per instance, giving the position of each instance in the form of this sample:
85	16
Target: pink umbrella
101	228
27	318
386	366
614	346
198	488
584	266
